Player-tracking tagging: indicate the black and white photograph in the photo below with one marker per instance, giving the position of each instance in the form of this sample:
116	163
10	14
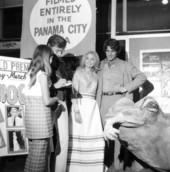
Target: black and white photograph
85	85
14	116
16	141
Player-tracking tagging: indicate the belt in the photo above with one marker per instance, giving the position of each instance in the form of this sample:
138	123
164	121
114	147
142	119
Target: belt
111	93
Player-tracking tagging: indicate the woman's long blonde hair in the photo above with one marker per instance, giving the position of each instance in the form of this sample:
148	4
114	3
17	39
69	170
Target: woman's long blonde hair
40	61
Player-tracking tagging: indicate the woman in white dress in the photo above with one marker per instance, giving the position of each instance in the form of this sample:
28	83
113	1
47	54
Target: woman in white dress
15	142
86	142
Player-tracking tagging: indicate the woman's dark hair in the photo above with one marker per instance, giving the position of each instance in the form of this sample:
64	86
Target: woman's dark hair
113	44
57	40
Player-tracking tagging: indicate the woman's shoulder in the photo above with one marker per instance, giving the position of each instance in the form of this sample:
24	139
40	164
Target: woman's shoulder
41	73
43	76
79	71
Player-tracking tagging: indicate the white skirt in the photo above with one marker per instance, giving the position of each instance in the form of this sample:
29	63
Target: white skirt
86	141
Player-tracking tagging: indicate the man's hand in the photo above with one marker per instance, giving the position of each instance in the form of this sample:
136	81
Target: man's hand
60	83
123	90
110	132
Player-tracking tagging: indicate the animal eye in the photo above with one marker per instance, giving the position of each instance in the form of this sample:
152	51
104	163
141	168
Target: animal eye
152	106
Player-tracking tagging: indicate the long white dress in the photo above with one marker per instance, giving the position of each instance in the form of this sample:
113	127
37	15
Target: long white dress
15	142
86	142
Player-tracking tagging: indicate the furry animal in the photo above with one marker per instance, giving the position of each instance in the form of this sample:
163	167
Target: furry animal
144	131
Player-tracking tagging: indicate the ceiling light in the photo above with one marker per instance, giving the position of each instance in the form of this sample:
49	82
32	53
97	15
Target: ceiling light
164	2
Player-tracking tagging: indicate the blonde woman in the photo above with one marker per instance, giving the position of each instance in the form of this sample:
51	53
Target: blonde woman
38	121
86	143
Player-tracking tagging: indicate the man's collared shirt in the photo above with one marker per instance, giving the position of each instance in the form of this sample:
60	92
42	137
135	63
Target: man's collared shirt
112	77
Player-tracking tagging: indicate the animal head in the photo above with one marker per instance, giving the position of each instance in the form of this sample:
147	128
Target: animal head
144	130
130	114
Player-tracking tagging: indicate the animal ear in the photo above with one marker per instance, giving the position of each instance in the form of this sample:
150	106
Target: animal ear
152	106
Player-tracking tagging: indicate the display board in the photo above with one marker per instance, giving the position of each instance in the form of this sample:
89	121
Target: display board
12	106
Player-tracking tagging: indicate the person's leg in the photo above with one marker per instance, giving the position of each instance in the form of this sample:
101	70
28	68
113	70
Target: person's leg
37	159
110	148
48	155
117	164
61	159
109	153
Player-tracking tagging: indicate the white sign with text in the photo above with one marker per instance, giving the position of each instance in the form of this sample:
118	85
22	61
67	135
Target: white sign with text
68	18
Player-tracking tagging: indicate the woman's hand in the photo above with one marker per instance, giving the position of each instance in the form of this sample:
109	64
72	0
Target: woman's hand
77	116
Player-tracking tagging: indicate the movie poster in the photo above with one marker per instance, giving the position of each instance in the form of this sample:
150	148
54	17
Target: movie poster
156	65
12	100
